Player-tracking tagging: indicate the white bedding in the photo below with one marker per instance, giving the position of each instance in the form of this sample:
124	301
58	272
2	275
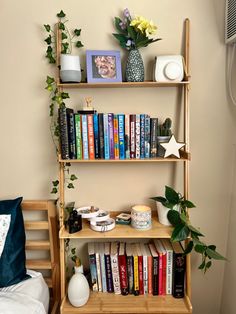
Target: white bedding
30	296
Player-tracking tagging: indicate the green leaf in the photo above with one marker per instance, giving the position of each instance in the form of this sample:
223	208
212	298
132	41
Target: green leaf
132	33
117	25
63	36
174	217
196	231
49	88
79	44
188	204
189	248
73	250
200	248
77	32
208	265
120	37
50	80
212	247
61	26
65	47
49	49
202	266
65	95
54	191
57	131
180	233
183	217
214	254
51	109
159	199
171	195
61	14
70	186
52	60
47	27
55	183
73	177
48	40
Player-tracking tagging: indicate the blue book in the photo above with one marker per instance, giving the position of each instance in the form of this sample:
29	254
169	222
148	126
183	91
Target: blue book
121	126
96	137
106	137
85	136
111	135
142	136
92	266
147	136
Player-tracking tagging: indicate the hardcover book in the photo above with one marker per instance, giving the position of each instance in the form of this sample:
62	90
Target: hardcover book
71	133
142	136
147	136
64	139
111	135
109	279
145	268
155	260
135	265
137	137
169	264
123	269
92	266
106	137
85	137
115	267
98	265
132	135
153	141
140	268
103	268
150	266
91	137
127	137
121	123
96	135
162	266
101	135
116	137
78	136
130	268
179	266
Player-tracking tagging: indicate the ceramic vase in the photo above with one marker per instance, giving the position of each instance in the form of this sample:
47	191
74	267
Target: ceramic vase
162	212
70	70
78	288
134	71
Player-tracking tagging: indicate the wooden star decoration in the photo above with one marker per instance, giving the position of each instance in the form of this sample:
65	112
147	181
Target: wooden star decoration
172	147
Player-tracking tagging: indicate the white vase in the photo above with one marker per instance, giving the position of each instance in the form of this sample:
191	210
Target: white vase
78	288
162	212
70	70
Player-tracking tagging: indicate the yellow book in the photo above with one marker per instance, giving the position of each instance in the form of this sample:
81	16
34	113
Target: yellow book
136	275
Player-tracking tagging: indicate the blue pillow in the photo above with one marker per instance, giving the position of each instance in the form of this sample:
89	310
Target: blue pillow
12	257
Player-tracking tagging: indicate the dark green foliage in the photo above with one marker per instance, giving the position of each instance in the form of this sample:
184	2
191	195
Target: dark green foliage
165	128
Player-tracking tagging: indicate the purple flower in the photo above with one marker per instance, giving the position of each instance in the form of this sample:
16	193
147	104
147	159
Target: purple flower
122	25
127	14
128	43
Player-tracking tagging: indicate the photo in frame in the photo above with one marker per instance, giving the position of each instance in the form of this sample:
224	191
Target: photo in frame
103	66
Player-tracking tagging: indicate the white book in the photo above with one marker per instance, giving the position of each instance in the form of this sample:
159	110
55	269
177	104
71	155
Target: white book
98	264
169	264
103	267
145	268
115	267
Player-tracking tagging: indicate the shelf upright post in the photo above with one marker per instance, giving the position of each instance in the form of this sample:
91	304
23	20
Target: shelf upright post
186	140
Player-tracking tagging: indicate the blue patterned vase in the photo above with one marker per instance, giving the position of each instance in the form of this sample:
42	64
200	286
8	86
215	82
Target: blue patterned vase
134	71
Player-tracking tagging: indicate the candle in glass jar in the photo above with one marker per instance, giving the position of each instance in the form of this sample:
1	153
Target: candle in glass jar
141	217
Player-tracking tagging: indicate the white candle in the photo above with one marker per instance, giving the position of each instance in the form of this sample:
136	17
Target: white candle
141	217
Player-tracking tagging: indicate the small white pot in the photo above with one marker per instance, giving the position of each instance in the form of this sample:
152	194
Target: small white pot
78	288
70	68
162	212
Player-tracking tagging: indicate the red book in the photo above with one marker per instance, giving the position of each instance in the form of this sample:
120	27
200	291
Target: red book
150	266
162	266
91	137
132	136
140	268
123	269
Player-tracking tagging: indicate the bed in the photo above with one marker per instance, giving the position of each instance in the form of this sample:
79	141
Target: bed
40	293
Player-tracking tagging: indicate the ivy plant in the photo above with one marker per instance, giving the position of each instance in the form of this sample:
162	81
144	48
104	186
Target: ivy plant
184	230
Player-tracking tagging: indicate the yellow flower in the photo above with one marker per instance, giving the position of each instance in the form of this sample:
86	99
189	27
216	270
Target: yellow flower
143	25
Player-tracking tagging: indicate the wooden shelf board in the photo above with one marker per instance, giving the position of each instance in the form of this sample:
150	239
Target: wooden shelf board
120	231
111	303
122	84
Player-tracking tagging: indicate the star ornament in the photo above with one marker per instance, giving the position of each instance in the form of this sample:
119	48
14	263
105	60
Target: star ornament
172	147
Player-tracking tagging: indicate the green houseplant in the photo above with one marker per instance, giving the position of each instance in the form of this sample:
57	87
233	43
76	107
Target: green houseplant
178	216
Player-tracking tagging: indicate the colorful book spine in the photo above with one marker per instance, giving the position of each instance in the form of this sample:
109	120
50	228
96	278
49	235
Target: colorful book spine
121	124
98	265
127	137
103	267
111	135
106	137
108	268
115	268
153	140
123	270
155	268
147	136
142	136
160	273
71	133
137	137
164	274
150	266
145	268
132	135
130	269
96	135
85	136
91	137
101	135
92	266
136	275
63	129
78	136
116	137
179	266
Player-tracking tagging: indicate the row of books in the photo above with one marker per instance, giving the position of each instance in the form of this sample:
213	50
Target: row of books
107	135
157	268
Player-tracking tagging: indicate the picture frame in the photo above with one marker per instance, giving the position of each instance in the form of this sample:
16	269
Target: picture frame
103	66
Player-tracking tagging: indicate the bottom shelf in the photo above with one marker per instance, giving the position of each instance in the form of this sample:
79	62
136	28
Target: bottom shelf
114	304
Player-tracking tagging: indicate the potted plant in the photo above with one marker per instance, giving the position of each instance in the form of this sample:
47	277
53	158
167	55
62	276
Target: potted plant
163	135
70	70
176	207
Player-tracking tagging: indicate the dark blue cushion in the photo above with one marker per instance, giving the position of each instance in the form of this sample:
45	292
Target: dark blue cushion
12	260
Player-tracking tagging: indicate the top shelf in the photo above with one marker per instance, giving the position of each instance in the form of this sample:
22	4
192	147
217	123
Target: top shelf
123	84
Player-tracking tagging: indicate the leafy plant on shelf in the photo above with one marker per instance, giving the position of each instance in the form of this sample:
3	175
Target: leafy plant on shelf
165	128
57	101
183	229
67	39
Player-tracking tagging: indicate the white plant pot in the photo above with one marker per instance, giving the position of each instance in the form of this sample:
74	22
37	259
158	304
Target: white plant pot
70	68
78	288
162	212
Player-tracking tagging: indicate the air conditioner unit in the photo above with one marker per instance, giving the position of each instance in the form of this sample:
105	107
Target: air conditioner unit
230	22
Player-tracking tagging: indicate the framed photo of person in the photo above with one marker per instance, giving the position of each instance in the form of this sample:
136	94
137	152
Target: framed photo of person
103	66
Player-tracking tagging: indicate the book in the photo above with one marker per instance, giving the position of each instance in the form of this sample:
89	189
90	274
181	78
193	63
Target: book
127	137
116	137
162	266
123	269
91	137
121	124
130	268
147	136
140	268
106	137
101	135
179	266
63	130
145	268
98	265
108	267
153	137
137	137
155	268
102	265
78	136
71	133
111	135
142	136
135	266
85	136
92	266
169	264
96	135
150	266
132	135
115	267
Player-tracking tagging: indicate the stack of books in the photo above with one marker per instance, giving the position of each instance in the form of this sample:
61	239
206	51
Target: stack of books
157	268
107	135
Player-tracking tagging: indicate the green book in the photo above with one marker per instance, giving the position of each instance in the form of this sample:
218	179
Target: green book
78	136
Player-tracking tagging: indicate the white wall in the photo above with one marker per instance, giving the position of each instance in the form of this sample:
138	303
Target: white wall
28	161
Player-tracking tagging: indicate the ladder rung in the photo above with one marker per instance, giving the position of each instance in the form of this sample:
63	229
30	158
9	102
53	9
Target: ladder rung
37	245
36	225
38	264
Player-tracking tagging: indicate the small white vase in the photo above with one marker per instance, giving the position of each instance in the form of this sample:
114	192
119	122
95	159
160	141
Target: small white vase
70	68
162	212
78	288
